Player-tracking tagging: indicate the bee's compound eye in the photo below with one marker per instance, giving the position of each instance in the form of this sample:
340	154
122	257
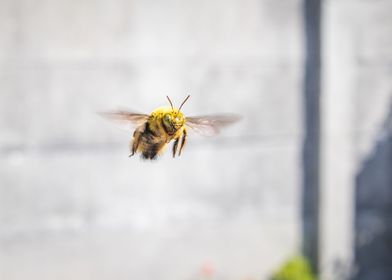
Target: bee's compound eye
167	117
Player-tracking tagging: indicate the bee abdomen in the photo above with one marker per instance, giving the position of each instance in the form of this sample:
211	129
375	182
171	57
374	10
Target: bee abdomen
151	144
151	151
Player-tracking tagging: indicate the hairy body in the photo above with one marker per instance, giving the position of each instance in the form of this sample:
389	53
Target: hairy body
152	137
154	132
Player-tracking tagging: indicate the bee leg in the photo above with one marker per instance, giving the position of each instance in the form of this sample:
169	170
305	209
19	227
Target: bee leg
183	141
135	142
176	141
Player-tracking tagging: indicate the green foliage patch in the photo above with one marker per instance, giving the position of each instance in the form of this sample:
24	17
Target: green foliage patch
297	268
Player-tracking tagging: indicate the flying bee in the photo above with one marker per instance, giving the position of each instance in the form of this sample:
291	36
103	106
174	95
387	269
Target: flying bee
154	132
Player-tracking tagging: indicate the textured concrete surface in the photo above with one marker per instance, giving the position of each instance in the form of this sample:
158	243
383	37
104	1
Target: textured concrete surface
357	100
73	206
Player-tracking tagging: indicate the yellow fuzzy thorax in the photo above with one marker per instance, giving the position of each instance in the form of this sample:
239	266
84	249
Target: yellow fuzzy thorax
161	111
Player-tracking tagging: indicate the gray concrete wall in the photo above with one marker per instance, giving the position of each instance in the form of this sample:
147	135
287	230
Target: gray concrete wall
356	100
74	206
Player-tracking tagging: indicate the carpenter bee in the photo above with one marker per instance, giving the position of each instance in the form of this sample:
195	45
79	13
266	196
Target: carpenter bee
153	132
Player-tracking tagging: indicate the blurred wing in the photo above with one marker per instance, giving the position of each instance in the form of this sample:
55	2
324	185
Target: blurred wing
124	119
210	125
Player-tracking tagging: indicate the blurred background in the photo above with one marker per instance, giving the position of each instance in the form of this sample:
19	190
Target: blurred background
306	172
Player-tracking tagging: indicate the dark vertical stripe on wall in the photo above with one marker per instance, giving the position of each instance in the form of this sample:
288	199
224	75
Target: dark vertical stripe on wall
311	144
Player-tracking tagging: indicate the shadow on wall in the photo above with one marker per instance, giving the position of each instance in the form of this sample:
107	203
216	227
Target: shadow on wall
311	144
373	211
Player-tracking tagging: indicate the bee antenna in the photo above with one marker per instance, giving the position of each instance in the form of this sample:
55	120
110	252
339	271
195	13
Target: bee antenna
171	104
184	102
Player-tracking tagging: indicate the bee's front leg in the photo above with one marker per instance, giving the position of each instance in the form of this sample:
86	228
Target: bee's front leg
135	142
175	145
183	141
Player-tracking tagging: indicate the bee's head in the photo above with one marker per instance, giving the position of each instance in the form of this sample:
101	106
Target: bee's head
174	119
